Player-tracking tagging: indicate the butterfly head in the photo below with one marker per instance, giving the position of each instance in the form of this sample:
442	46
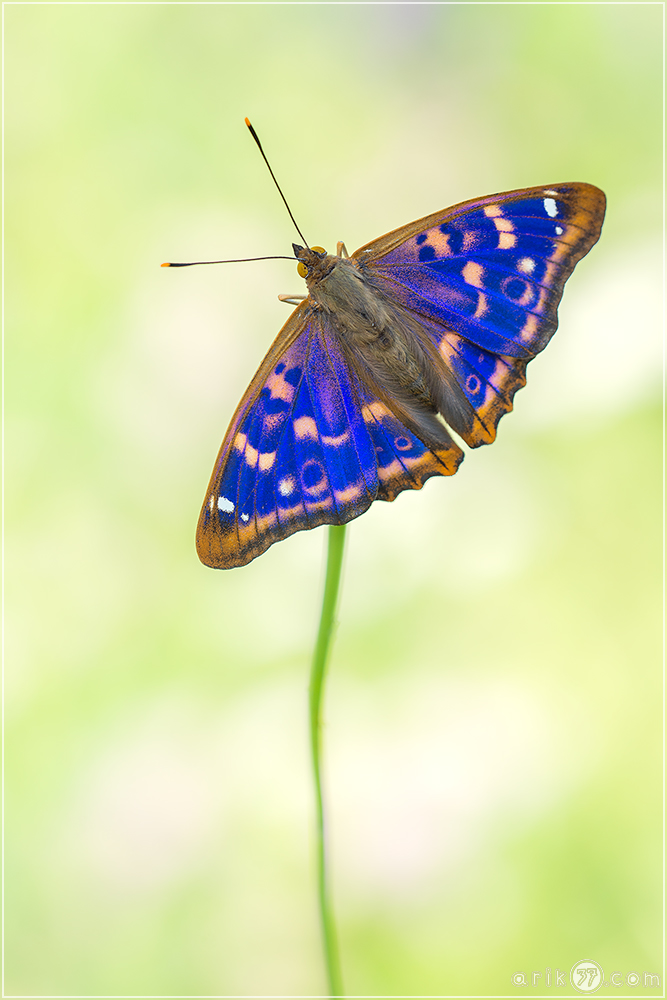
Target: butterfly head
314	263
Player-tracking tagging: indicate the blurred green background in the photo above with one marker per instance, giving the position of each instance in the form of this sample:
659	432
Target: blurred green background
493	708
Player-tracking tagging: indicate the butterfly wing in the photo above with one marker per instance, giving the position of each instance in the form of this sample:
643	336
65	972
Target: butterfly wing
310	443
484	279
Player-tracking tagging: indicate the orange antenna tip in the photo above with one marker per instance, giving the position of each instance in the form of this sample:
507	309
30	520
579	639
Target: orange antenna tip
247	121
165	265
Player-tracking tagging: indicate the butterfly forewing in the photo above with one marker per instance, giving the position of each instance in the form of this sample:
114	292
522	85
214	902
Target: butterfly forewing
316	439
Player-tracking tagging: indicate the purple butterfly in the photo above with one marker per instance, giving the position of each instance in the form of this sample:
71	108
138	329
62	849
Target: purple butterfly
435	320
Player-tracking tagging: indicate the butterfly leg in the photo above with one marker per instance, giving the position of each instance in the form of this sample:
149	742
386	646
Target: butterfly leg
341	249
292	300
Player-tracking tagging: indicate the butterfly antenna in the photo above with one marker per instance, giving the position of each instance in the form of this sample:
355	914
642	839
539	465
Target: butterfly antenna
238	260
259	145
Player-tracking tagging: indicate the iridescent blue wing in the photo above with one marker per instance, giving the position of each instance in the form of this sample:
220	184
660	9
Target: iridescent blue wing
311	443
484	279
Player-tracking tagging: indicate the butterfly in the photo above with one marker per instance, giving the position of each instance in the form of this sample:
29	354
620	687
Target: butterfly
424	331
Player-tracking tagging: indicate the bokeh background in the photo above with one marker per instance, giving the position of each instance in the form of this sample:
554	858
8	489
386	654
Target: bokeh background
493	706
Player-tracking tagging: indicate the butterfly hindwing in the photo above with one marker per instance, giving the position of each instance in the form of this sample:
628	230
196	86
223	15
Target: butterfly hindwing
484	278
403	460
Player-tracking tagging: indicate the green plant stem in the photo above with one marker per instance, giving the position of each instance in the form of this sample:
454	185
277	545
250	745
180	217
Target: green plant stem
320	656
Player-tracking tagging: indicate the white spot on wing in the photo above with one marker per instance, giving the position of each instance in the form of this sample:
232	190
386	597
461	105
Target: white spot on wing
559	230
526	265
550	207
286	486
225	504
245	517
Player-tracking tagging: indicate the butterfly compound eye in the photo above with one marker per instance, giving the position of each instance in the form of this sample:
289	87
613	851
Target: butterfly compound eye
302	270
318	249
